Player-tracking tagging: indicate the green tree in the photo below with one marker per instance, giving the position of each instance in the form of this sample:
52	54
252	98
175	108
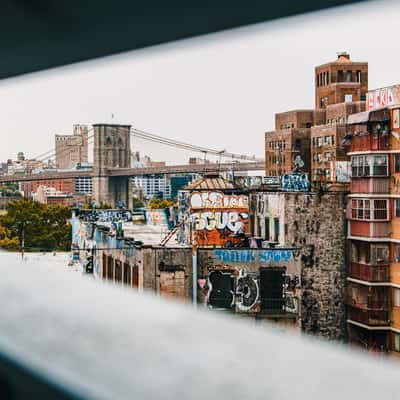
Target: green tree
137	203
160	203
42	226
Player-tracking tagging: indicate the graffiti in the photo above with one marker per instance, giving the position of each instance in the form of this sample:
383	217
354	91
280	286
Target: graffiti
242	290
271	180
251	256
247	291
384	97
210	220
217	200
156	217
248	181
343	171
104	215
220	290
295	182
291	303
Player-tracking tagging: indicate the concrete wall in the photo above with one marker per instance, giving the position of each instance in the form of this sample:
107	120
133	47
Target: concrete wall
316	224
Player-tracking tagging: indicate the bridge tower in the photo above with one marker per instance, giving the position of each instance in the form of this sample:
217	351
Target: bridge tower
112	150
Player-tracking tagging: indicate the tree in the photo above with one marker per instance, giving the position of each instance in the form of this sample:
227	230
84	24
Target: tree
43	227
137	203
159	203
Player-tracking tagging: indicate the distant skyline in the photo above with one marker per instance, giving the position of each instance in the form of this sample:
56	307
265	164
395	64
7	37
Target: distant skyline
220	90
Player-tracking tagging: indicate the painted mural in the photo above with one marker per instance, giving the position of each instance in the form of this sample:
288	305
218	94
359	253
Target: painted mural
218	219
250	280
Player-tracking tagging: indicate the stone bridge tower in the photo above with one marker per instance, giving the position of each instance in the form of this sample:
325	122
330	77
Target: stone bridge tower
112	150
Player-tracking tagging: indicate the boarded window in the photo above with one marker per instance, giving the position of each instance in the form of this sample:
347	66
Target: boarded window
104	269
271	289
222	289
110	272
118	271
135	276
127	274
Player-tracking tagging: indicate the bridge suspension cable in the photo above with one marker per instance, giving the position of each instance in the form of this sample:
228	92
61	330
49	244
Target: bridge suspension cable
151	137
190	147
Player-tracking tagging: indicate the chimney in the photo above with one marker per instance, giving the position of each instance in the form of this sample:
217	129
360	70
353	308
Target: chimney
343	54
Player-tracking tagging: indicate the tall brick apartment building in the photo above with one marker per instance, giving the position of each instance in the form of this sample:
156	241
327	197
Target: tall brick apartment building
72	149
318	135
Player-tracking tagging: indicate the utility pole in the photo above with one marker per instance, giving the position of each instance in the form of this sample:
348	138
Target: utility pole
23	241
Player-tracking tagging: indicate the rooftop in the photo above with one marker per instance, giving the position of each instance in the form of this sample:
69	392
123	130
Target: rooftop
210	181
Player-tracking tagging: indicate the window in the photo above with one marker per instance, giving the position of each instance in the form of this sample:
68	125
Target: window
327	140
396	161
360	209
396	297
358	76
319	141
369	210
379	254
276	229
328	173
396	342
348	98
396	252
349	76
267	228
370	165
319	157
328	156
397	208
380	209
340	76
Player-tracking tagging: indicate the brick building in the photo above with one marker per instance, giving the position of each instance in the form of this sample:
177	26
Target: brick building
72	149
373	291
317	136
64	185
339	81
291	137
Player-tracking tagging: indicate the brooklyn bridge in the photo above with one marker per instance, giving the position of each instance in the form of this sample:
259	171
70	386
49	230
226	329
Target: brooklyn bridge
112	167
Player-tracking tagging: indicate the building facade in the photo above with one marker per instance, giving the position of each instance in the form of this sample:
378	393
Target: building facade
340	81
373	293
72	149
153	186
313	140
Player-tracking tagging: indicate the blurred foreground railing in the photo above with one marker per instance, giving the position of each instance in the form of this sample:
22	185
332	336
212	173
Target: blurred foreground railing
64	335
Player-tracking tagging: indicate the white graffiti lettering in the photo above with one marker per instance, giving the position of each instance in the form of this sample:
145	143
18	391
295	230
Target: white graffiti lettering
219	220
217	200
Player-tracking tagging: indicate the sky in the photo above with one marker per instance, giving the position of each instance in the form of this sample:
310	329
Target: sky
219	90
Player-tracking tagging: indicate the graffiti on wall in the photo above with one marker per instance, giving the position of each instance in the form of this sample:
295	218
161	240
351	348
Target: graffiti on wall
218	219
276	256
383	97
343	171
156	217
295	182
104	215
250	280
217	200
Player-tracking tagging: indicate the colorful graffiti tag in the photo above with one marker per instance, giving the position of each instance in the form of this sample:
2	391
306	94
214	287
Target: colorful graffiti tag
218	219
250	255
296	182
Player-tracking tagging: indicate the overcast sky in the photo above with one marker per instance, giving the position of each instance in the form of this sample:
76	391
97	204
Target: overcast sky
219	90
